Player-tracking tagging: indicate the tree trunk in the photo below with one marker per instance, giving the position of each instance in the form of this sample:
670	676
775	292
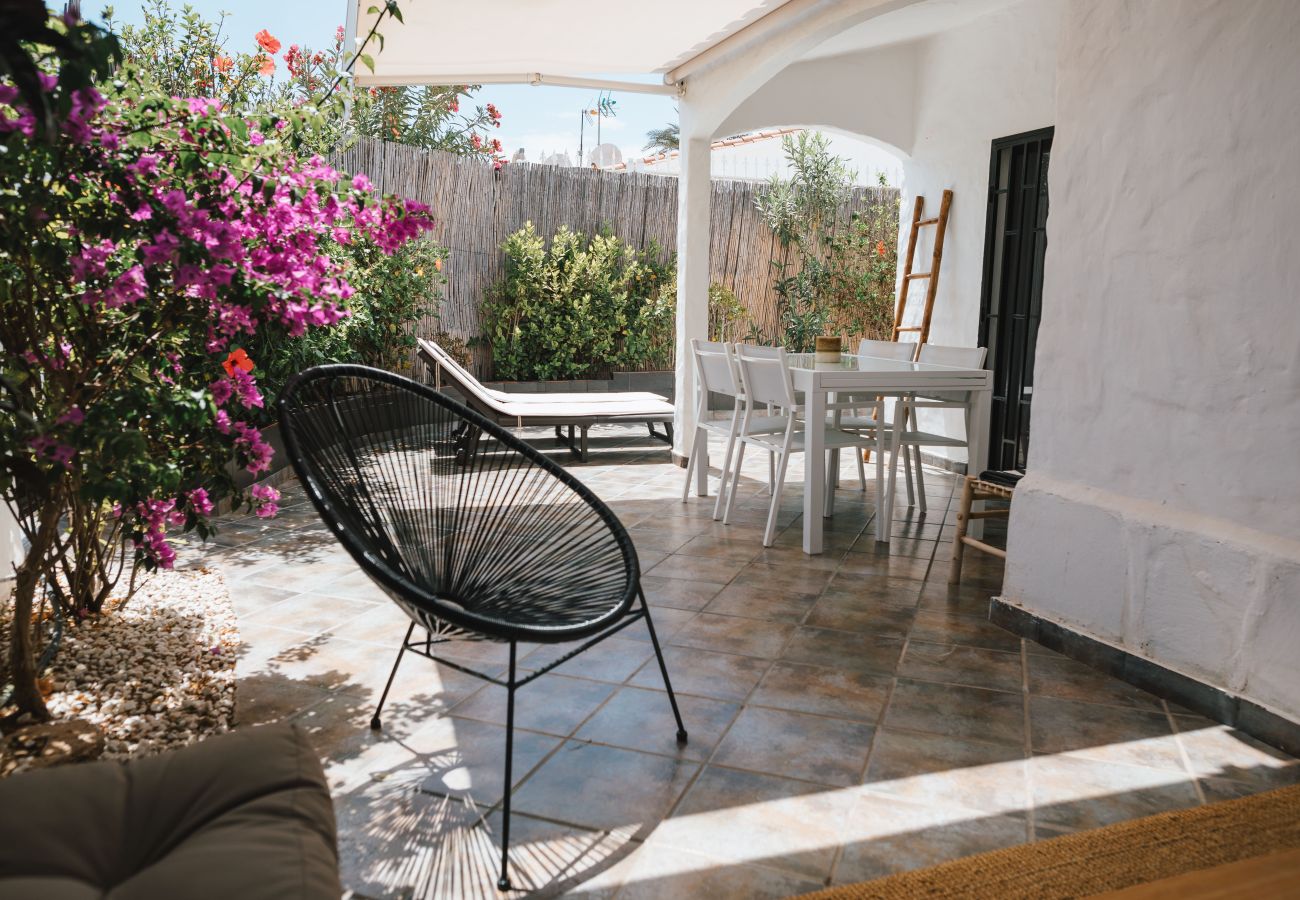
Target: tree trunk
22	652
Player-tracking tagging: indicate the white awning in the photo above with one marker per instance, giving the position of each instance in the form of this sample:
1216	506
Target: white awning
567	42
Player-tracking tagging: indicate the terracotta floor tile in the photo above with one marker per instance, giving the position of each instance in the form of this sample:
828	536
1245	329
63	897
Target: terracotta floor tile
960	712
747	817
642	719
553	704
795	745
1071	792
973	631
734	634
724	676
884	835
862	615
613	659
692	595
844	650
941	770
604	787
824	691
1217	751
697	568
1058	726
757	603
971	666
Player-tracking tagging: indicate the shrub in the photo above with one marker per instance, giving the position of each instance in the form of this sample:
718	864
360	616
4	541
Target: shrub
142	243
580	308
842	278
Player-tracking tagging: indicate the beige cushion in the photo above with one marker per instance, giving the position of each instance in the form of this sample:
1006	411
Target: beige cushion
244	815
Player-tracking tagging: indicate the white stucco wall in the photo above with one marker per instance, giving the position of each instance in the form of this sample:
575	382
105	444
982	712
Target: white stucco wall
1161	512
990	78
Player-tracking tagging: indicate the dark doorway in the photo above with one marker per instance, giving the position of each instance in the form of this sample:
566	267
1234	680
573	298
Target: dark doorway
1011	299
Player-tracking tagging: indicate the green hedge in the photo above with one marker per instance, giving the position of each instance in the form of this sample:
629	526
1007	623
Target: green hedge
583	307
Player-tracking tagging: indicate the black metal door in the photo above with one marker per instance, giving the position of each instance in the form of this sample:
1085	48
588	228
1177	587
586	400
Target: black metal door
1011	300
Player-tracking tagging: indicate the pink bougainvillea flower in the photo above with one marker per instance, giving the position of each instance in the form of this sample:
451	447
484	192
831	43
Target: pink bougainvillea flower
74	416
267	42
265	495
200	502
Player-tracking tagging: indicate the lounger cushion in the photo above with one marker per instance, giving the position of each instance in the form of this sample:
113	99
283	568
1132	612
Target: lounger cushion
244	815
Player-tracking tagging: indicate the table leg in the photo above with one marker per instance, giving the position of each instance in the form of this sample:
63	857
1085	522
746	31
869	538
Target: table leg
814	470
885	526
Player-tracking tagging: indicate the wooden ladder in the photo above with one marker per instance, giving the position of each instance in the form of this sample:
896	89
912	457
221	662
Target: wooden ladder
931	277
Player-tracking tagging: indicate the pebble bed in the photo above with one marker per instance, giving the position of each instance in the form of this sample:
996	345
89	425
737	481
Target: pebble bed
157	673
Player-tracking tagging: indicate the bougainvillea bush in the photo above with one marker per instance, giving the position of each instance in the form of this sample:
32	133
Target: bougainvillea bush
143	243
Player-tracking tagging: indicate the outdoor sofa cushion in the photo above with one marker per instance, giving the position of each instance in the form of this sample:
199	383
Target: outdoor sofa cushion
244	815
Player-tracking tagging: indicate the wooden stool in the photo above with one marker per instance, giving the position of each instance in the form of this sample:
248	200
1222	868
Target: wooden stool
975	489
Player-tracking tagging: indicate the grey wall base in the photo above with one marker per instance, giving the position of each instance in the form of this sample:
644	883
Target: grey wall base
1175	687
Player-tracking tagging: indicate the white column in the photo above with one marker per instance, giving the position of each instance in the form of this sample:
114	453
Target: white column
692	278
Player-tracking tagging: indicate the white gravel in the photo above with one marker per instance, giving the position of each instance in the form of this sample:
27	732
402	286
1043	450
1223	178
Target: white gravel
157	673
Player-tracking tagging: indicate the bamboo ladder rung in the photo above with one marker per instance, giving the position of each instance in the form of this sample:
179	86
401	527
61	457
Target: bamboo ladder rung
908	328
920	275
934	221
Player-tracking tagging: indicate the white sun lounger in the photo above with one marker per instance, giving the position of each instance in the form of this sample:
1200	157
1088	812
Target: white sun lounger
576	411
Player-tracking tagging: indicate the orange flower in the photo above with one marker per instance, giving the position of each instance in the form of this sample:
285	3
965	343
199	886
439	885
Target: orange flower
880	248
267	66
437	264
238	358
222	63
267	42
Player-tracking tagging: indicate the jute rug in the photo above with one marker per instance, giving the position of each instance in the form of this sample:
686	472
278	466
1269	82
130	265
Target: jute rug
1105	859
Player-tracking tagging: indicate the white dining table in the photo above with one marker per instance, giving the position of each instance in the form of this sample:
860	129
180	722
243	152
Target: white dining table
885	378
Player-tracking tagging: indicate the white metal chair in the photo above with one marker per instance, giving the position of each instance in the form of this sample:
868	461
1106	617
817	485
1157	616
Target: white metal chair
716	372
910	439
767	383
855	403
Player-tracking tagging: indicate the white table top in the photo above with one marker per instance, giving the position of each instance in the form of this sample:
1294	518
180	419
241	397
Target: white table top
871	371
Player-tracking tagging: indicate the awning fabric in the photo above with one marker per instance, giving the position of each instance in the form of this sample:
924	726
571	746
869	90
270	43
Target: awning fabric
454	42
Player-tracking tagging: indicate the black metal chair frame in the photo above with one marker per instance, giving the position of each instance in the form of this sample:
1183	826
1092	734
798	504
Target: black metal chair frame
394	583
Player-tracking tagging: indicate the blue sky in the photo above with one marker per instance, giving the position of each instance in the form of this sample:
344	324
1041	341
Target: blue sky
539	119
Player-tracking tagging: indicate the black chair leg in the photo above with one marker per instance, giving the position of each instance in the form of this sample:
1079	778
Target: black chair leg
375	723
663	669
503	883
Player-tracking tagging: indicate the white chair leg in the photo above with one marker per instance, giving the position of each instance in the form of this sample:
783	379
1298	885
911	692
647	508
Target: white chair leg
735	484
828	506
907	469
769	535
691	462
771	472
726	467
888	513
862	470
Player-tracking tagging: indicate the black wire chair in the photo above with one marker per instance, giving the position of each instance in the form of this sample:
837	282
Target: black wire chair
500	544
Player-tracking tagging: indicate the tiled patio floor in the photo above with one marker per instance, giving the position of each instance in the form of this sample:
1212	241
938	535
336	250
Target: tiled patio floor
850	716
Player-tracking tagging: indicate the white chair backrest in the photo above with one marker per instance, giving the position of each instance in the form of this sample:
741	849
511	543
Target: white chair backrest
716	367
886	350
765	375
959	357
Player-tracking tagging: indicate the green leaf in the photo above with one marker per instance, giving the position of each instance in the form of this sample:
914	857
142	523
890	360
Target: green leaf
369	61
395	12
372	10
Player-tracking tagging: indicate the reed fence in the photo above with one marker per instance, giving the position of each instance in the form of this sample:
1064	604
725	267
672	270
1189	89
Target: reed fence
476	208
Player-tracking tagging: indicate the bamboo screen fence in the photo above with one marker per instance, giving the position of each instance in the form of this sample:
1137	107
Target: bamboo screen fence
476	208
